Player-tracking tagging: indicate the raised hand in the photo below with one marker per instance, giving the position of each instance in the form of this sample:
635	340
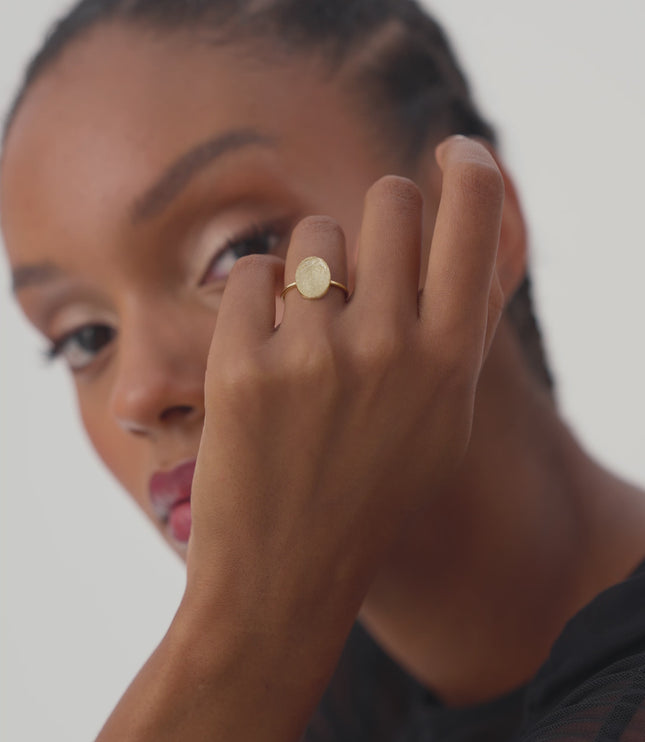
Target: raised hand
322	434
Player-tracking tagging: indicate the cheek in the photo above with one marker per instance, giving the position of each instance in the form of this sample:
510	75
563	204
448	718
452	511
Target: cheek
127	459
122	454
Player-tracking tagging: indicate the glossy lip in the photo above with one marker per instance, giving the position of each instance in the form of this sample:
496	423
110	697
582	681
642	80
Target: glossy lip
171	488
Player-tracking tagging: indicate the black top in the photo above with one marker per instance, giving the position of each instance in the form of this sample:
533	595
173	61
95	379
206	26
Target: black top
592	687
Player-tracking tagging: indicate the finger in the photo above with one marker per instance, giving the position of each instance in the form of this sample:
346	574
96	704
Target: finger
247	310
496	304
457	288
315	236
387	274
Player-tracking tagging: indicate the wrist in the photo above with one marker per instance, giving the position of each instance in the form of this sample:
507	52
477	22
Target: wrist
243	674
278	670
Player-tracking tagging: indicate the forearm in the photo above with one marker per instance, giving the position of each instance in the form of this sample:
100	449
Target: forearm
226	683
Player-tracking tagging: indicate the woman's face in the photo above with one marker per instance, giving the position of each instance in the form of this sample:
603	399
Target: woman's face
138	169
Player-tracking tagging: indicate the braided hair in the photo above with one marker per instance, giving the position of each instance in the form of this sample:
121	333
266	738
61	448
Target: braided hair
402	67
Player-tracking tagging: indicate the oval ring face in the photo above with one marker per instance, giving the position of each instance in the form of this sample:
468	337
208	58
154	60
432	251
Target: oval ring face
313	278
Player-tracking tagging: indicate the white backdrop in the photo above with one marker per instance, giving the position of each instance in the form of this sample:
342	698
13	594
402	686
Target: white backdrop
88	589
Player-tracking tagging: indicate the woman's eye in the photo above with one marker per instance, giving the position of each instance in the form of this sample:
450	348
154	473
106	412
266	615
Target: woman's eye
257	242
80	347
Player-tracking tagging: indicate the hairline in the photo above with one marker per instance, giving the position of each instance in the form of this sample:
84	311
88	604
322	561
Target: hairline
337	64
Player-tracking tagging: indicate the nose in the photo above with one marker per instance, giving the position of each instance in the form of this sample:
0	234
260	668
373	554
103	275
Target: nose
160	367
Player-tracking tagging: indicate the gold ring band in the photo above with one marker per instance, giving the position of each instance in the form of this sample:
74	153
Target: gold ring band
313	279
294	285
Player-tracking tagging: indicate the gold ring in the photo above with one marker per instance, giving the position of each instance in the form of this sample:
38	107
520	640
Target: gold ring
313	279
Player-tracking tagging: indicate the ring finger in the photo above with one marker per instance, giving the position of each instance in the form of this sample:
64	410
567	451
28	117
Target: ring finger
314	237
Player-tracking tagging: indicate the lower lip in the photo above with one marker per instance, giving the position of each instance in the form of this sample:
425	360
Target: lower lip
179	522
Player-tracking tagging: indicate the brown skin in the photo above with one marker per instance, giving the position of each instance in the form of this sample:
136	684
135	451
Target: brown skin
513	527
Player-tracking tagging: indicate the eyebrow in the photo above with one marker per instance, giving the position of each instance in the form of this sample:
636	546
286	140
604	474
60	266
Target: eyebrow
177	176
24	276
167	187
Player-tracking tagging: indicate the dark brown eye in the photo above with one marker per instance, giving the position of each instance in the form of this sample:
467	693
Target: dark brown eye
79	347
257	242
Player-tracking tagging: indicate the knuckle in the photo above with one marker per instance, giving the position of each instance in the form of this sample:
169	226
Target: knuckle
236	375
307	360
377	351
452	367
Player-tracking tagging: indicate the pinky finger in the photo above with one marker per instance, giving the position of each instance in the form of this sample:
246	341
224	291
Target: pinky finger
457	291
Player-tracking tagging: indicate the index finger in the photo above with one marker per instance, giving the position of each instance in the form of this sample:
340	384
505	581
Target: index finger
464	245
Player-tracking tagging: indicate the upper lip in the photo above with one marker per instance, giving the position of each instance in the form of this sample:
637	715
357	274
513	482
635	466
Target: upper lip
169	488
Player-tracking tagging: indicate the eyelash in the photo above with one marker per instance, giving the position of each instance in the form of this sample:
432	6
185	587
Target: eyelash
80	337
245	243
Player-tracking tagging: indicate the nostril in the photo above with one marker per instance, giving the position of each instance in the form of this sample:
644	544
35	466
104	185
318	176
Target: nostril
176	412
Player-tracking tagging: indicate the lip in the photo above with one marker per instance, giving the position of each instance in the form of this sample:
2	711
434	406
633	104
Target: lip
170	498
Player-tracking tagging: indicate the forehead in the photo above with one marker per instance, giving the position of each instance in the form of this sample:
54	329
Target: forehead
123	103
117	73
